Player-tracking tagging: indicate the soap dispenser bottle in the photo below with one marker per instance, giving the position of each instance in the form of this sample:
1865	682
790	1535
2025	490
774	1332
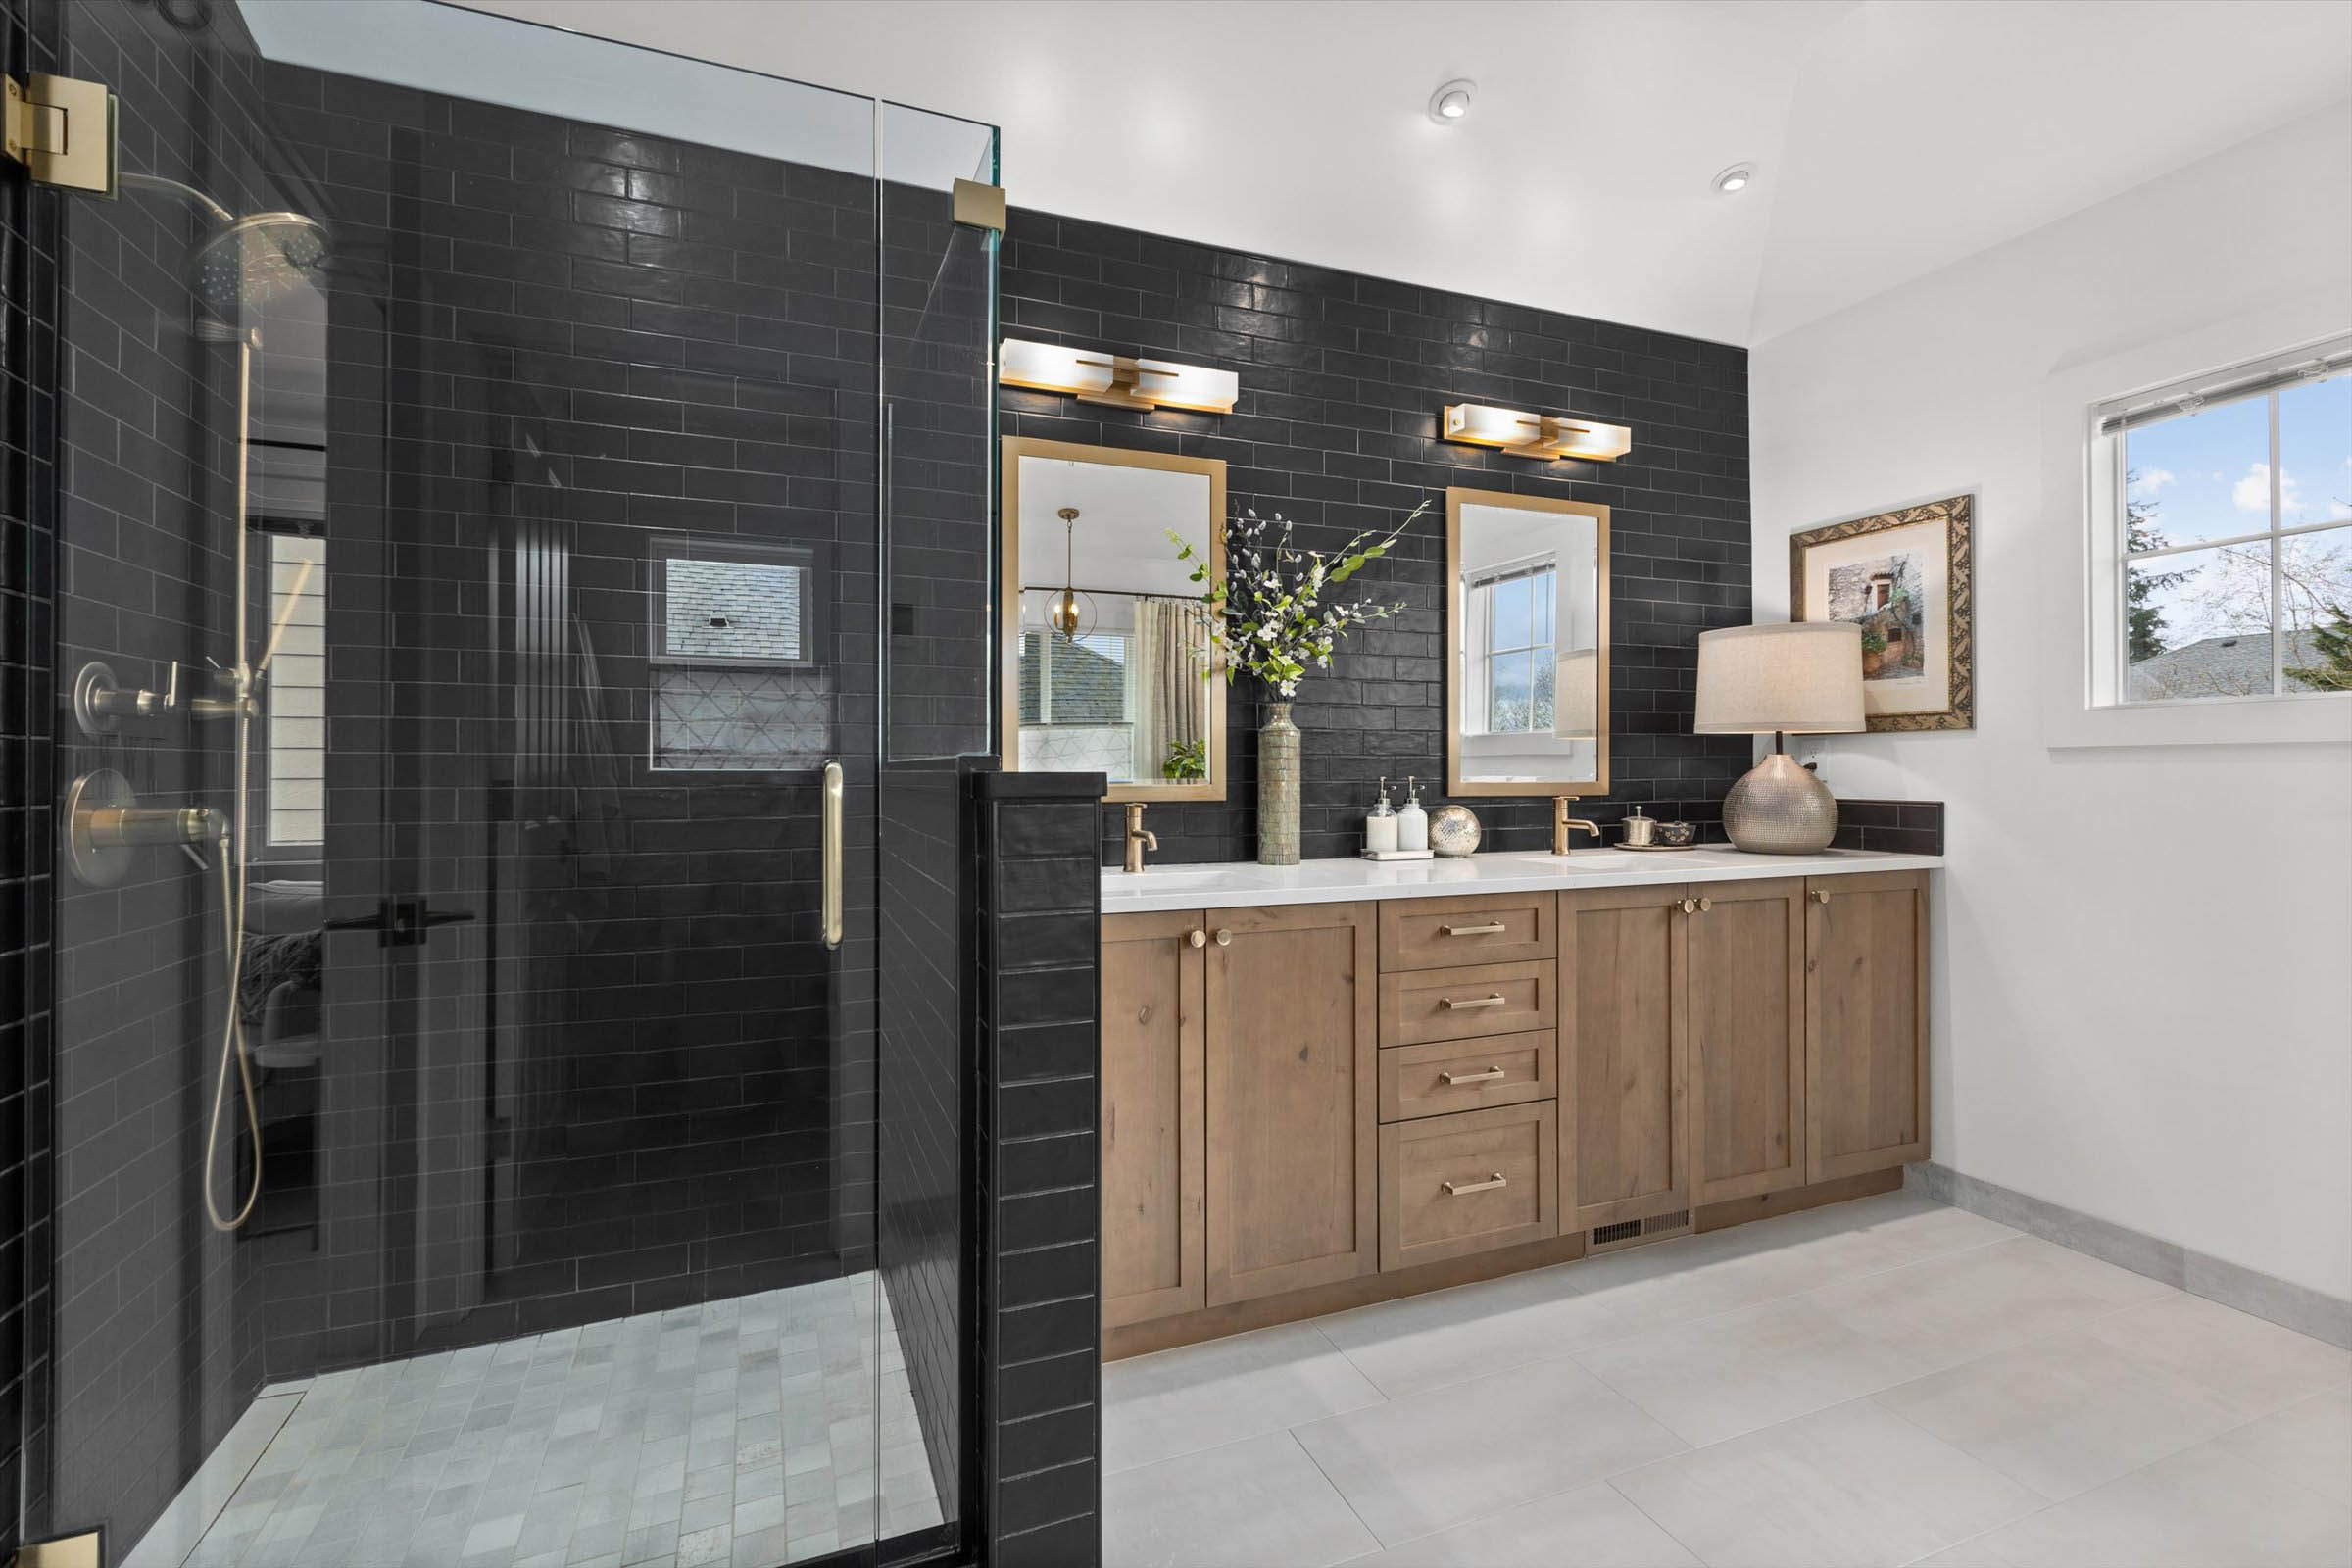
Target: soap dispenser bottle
1380	824
1413	824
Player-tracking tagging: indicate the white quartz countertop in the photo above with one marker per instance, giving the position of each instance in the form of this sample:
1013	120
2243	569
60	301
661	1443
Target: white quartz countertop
1242	883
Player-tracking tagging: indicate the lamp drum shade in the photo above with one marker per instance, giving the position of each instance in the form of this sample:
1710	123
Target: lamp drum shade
1804	678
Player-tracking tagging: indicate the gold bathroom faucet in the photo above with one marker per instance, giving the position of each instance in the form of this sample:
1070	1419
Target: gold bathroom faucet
1561	822
1139	837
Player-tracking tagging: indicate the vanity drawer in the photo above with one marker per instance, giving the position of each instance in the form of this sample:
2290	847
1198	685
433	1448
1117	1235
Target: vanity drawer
1448	1075
1487	999
1487	928
1467	1183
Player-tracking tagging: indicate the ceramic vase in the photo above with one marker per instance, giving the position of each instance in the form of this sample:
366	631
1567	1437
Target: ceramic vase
1278	788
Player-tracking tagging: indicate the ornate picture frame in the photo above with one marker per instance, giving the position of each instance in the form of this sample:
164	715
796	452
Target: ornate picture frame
1908	577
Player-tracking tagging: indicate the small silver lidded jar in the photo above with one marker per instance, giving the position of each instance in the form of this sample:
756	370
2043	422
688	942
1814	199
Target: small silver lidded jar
1640	831
1453	832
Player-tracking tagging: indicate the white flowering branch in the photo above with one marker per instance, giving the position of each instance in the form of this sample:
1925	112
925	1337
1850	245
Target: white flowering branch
1267	617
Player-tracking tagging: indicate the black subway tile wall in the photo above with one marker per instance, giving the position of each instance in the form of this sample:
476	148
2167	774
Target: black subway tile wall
1342	380
158	1348
28	379
1892	828
924	1101
1038	998
562	359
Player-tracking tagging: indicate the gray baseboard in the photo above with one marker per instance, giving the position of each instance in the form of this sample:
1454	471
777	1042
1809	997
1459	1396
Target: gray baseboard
2263	1295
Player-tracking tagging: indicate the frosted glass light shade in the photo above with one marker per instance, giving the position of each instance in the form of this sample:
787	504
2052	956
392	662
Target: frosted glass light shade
1804	677
1576	694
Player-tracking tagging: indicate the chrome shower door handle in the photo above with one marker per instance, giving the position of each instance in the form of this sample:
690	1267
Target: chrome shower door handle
834	857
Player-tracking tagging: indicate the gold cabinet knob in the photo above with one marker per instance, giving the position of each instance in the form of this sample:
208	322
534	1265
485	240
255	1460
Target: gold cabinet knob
1224	938
1820	895
1199	939
1689	906
1704	905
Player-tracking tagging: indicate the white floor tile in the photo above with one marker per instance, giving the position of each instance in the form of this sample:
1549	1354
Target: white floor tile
1850	1486
2309	1443
1205	1396
1967	1304
2203	1508
1426	1341
2063	1414
2256	1366
1426	1462
1254	1504
1724	1375
1590	1526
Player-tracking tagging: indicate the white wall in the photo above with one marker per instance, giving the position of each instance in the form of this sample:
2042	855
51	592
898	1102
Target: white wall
2143	983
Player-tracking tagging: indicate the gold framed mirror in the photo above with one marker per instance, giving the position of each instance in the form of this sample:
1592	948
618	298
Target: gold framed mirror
1526	645
1106	648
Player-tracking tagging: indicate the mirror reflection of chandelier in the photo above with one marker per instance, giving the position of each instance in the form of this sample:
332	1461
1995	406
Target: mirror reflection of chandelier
1062	612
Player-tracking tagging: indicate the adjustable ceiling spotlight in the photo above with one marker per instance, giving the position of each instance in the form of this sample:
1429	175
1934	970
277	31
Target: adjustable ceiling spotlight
1450	102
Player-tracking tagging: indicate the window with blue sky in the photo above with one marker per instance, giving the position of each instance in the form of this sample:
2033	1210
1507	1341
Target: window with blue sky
2238	546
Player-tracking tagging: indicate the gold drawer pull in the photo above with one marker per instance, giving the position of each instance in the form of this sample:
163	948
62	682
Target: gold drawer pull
1457	1189
1473	1077
1492	998
1820	895
1494	929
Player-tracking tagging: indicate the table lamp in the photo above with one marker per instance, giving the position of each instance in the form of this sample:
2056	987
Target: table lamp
1802	678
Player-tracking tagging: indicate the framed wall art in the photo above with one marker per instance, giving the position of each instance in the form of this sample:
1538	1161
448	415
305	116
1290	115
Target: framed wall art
1907	578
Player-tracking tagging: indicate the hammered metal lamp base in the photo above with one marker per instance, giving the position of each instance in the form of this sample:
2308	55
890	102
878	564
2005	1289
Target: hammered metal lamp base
1778	808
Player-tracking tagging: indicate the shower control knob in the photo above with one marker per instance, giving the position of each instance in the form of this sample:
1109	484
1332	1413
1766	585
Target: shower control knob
103	822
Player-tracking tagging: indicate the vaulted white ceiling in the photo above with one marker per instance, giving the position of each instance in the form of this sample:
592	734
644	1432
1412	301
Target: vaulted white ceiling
1889	136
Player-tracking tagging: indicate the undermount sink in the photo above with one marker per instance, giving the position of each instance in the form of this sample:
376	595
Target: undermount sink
1166	875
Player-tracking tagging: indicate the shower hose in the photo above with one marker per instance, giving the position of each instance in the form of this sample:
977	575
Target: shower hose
232	1030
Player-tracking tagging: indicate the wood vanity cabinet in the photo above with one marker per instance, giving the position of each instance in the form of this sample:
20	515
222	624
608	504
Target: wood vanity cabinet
1153	1105
1293	1053
1321	1106
1747	1037
1866	1023
1623	1055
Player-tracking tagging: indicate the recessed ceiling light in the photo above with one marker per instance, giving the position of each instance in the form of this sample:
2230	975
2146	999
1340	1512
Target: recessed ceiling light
1736	178
1450	102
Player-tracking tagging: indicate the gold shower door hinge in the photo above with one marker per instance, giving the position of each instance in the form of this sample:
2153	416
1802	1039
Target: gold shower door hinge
62	130
979	206
67	1551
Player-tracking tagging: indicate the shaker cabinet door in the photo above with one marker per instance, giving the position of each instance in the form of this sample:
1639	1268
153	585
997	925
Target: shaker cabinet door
1747	1037
1293	1098
1866	1023
1623	1055
1153	1111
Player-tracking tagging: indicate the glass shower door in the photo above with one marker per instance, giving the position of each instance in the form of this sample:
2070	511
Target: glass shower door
512	527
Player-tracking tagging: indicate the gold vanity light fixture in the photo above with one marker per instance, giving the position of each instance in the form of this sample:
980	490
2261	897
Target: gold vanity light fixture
1535	435
1063	613
1117	380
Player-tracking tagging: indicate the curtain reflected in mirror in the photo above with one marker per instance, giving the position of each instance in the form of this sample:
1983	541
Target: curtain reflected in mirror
1123	694
1110	670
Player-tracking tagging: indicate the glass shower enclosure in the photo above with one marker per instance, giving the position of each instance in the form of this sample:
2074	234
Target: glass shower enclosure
520	498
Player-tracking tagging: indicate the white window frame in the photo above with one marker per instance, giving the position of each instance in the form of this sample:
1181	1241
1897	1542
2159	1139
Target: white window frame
2079	594
1478	597
2264	379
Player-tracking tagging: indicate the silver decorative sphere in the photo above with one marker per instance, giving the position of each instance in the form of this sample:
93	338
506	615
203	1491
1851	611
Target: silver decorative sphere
1778	808
1453	831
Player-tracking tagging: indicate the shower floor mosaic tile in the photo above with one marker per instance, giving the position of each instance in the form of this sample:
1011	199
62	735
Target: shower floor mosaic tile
737	1433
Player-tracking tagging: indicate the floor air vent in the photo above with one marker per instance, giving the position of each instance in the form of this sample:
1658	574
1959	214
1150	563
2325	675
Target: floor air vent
1633	1232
